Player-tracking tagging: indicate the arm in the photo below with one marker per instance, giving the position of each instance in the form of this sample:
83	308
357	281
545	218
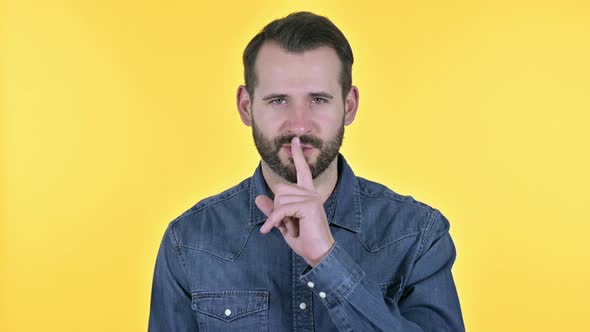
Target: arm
170	308
429	301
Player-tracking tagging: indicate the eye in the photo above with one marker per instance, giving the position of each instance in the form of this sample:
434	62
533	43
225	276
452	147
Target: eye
319	100
277	101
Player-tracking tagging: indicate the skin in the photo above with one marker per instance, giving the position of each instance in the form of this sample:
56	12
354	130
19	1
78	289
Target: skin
298	94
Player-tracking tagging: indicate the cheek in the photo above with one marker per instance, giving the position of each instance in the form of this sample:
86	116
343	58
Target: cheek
271	124
329	123
264	122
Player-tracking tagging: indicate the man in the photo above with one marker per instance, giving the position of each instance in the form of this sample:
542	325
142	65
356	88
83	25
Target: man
304	244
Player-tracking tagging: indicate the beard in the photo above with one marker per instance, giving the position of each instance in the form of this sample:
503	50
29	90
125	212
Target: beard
269	152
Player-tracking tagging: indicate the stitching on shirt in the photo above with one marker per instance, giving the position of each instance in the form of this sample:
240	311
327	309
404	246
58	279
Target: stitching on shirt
360	276
208	202
250	198
230	259
180	257
205	251
417	204
332	205
245	238
252	204
433	216
431	219
395	241
357	205
293	287
387	193
232	256
346	287
386	244
345	316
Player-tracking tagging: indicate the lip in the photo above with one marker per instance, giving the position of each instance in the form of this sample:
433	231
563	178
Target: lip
307	149
304	146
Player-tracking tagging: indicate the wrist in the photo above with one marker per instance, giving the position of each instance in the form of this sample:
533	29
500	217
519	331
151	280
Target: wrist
316	261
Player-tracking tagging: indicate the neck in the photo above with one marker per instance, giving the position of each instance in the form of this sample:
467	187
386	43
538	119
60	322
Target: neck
324	183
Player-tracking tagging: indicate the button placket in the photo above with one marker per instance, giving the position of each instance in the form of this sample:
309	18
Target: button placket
302	297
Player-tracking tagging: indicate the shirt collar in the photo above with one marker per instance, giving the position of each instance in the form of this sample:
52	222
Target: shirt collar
343	207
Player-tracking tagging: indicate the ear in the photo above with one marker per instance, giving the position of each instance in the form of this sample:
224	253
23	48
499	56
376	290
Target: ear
244	105
351	105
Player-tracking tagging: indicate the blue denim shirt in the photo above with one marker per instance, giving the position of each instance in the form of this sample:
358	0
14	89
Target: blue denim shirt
390	269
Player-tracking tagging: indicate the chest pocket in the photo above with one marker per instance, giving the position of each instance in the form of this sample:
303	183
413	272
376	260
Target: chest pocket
231	310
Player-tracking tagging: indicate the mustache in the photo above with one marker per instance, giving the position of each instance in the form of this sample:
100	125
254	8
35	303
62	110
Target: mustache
305	139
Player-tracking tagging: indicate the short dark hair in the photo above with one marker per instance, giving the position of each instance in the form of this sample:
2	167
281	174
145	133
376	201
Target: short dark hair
296	33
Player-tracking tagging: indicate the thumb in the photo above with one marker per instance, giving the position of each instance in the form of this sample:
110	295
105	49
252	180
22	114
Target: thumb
265	204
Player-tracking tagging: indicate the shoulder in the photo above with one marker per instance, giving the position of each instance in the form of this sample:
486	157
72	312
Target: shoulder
222	200
213	221
389	217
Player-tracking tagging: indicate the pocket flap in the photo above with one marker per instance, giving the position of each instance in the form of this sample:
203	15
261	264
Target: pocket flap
229	305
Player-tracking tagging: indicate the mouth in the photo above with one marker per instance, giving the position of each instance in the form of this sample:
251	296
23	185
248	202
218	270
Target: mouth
307	149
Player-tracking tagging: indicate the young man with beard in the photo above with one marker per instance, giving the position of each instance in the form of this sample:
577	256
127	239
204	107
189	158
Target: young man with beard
304	244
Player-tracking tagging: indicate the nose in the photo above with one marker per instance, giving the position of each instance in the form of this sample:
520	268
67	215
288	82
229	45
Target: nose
298	120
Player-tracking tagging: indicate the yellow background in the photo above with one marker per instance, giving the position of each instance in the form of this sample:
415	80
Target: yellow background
117	116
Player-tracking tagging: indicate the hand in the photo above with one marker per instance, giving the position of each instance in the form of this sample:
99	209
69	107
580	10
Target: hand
298	212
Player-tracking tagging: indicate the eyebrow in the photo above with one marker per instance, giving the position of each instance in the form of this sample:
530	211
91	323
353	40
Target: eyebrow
321	94
273	96
311	94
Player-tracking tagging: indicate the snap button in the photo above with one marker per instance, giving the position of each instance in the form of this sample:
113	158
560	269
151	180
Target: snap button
322	295
310	284
227	312
302	306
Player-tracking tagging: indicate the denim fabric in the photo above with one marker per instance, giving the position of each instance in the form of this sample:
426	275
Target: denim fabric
390	269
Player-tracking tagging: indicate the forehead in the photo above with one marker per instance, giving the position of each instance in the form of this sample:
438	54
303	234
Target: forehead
278	70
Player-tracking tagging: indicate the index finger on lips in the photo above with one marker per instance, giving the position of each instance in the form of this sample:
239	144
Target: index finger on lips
304	177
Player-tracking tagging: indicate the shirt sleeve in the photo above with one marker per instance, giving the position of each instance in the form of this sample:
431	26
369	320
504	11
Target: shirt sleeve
170	307
429	301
